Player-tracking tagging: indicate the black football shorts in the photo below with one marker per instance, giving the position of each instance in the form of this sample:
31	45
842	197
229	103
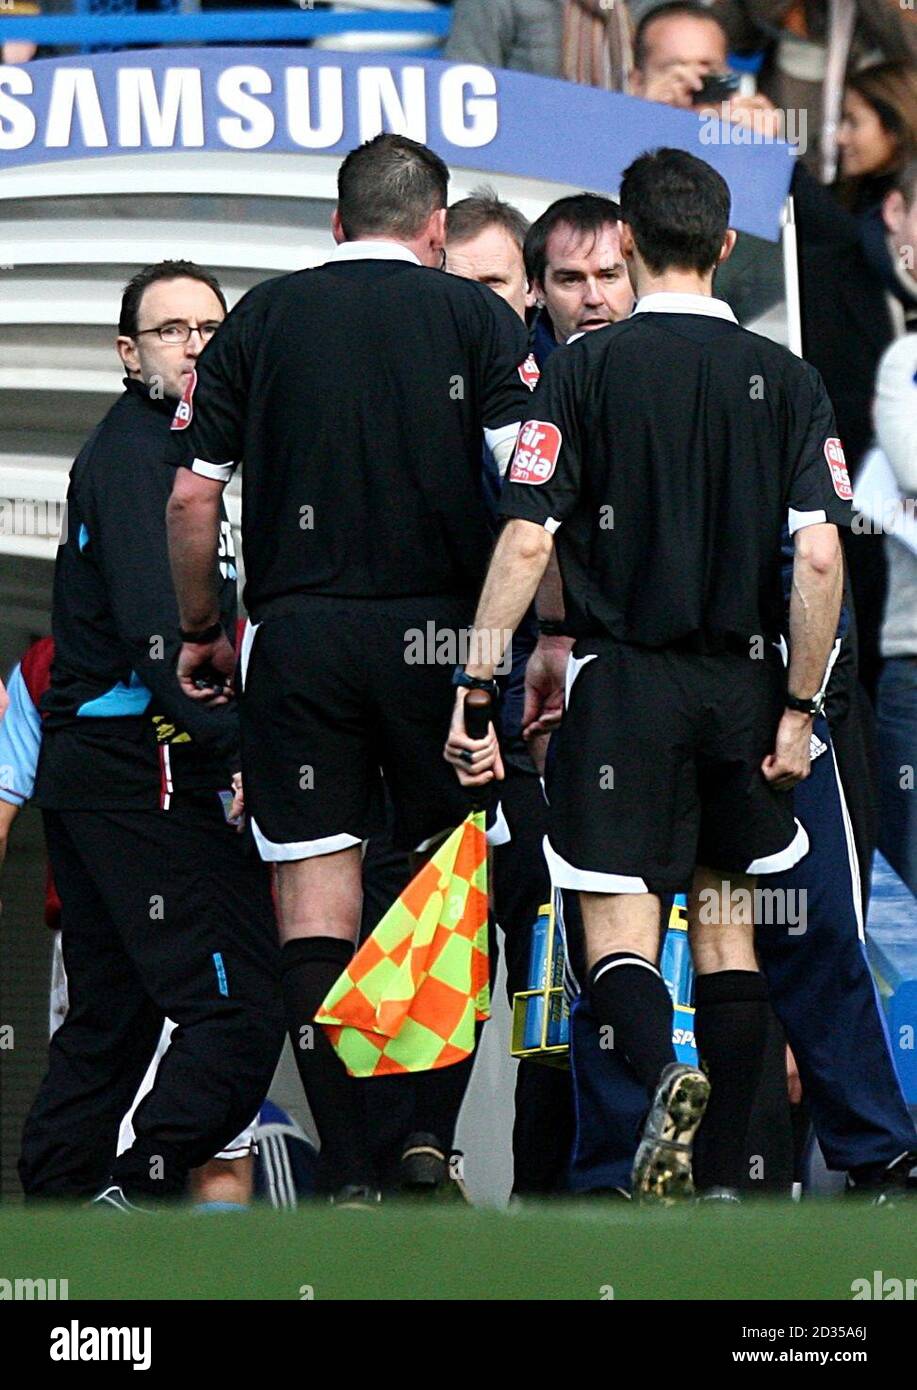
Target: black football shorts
333	699
658	769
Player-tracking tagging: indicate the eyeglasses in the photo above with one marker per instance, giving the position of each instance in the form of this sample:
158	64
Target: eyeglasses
181	332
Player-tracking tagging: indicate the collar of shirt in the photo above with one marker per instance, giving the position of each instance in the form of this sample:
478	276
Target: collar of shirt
165	405
371	251
668	302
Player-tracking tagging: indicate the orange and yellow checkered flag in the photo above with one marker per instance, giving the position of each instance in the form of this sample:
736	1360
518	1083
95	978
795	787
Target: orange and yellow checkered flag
410	997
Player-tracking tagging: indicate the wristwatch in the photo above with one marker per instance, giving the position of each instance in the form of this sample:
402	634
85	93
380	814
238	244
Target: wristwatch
461	677
812	707
207	634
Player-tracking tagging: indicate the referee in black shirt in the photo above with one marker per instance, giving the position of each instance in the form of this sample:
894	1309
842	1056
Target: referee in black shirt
357	394
665	454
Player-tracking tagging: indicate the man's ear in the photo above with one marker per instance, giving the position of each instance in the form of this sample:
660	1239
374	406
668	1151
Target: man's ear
893	210
728	245
436	230
531	295
337	227
127	351
628	245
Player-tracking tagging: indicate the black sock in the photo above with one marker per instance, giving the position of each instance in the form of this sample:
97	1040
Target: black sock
629	995
310	965
731	1015
438	1097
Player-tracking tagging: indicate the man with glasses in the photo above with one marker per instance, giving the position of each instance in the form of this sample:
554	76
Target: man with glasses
165	909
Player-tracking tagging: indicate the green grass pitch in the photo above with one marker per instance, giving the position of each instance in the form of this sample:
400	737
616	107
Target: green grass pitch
591	1250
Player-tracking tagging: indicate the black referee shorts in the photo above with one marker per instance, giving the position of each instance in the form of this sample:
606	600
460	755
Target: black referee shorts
333	699
658	769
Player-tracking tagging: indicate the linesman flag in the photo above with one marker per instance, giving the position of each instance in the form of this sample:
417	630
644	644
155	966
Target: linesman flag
412	994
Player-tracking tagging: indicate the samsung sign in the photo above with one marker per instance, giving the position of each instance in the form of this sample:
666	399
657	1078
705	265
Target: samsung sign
295	101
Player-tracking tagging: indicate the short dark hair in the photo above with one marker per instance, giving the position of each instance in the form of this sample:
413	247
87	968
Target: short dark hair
678	209
390	185
150	275
481	209
688	9
906	183
584	212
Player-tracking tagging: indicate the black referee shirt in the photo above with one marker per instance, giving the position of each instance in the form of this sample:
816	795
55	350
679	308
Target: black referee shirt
667	452
118	732
356	394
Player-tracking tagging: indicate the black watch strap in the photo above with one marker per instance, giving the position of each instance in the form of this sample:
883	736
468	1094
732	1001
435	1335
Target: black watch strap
461	677
207	634
551	627
812	706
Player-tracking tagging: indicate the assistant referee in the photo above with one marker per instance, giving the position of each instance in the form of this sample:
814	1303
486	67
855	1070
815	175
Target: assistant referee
357	394
681	733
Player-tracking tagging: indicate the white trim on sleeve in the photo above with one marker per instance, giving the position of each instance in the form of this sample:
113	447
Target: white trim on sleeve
219	472
501	442
797	520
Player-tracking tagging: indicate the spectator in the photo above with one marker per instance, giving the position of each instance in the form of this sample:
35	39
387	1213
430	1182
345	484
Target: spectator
856	297
677	47
18	50
582	40
878	133
809	46
895	414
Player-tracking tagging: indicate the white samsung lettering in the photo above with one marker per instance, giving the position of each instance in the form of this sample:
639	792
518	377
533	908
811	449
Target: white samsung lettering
235	88
139	106
320	124
74	93
470	122
17	123
382	107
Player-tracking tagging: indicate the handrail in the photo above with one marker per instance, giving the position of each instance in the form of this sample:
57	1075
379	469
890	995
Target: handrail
252	25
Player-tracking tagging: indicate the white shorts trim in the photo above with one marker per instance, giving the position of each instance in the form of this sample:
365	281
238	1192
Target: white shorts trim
564	875
784	859
273	852
575	664
245	652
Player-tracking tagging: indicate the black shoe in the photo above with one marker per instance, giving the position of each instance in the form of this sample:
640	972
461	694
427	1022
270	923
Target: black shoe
355	1197
662	1168
112	1197
888	1186
423	1169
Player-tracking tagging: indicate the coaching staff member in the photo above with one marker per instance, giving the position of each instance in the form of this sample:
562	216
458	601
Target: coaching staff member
163	913
357	394
677	745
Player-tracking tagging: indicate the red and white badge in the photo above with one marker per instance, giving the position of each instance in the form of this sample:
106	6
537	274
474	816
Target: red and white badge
184	411
834	453
536	452
530	372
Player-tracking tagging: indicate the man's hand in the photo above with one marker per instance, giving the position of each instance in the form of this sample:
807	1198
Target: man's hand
755	112
790	761
545	675
236	814
207	661
675	85
477	761
793	1082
